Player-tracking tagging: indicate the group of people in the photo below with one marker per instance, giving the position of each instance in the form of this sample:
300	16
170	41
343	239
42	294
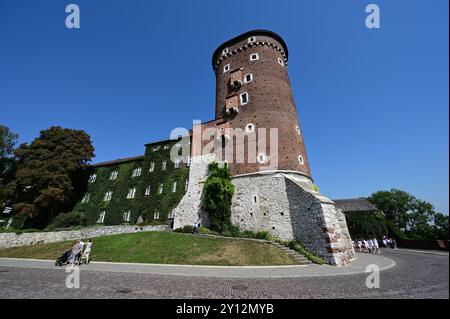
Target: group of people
374	245
196	228
80	250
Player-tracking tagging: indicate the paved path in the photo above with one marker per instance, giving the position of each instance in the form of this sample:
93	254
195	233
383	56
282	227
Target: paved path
357	266
415	275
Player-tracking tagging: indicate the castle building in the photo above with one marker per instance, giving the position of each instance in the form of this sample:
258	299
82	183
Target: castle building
256	132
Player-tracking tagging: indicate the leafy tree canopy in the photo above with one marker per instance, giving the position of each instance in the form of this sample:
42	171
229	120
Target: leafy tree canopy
416	218
47	171
8	142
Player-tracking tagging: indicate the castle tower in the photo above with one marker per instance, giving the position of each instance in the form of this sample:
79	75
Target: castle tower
253	91
273	185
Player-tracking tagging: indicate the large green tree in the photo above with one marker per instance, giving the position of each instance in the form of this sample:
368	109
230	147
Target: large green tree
8	141
416	218
48	171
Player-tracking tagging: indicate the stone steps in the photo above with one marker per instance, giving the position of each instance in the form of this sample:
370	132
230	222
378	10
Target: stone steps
297	256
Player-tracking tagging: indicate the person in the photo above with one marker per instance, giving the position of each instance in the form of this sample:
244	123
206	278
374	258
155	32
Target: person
75	253
198	227
394	243
87	251
81	251
385	243
376	246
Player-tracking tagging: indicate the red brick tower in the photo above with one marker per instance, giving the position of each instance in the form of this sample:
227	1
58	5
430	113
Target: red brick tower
253	91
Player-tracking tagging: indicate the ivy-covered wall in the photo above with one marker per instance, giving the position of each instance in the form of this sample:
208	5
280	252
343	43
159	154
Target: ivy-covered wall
141	205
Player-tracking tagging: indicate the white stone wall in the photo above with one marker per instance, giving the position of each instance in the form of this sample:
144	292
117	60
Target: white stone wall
8	240
189	209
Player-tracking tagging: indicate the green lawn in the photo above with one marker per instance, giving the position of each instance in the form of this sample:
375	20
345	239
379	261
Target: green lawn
165	248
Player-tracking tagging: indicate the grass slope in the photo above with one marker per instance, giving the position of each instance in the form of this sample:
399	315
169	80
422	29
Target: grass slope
165	248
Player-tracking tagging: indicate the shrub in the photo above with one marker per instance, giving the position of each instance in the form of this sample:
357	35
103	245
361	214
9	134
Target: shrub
263	235
248	234
67	220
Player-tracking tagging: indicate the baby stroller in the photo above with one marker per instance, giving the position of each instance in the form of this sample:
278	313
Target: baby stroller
64	259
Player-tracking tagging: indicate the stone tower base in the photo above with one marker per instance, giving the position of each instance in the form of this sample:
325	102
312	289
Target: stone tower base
282	203
287	207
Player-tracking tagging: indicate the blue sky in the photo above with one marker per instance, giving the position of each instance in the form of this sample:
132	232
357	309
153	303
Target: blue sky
373	103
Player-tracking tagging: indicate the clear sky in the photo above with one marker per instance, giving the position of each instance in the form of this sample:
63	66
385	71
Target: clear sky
373	103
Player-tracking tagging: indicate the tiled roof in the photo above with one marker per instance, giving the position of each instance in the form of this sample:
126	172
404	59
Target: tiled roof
118	161
355	205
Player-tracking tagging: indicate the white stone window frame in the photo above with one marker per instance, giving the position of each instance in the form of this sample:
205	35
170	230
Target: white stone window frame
241	99
101	217
161	188
297	129
148	190
155	148
226	68
108	196
164	165
281	62
250	128
152	167
177	163
86	198
92	178
156	215
131	193
137	172
301	160
127	216
254	56
171	214
225	51
174	187
248	75
166	147
261	158
252	39
113	175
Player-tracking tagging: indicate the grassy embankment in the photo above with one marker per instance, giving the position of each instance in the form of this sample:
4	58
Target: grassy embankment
165	248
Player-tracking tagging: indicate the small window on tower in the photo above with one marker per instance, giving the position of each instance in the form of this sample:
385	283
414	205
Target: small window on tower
248	78
300	159
280	61
261	158
225	51
251	39
226	68
254	56
250	128
244	98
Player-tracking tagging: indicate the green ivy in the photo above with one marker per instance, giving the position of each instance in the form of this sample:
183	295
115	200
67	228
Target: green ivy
366	224
218	192
141	205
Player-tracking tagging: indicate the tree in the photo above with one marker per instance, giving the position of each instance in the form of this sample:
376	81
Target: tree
416	218
8	141
48	171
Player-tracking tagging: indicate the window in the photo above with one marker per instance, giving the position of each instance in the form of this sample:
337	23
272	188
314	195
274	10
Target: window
261	158
226	68
298	130
127	216
251	39
156	215
254	56
137	172
161	188
244	98
92	178
248	77
174	187
131	193
189	160
171	214
148	190
113	175
7	210
164	165
152	167
300	159
108	196
255	199
86	198
167	146
225	51
250	128
186	184
177	163
280	61
101	217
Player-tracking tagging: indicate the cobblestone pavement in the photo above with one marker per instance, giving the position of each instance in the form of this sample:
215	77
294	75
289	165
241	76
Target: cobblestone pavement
416	275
